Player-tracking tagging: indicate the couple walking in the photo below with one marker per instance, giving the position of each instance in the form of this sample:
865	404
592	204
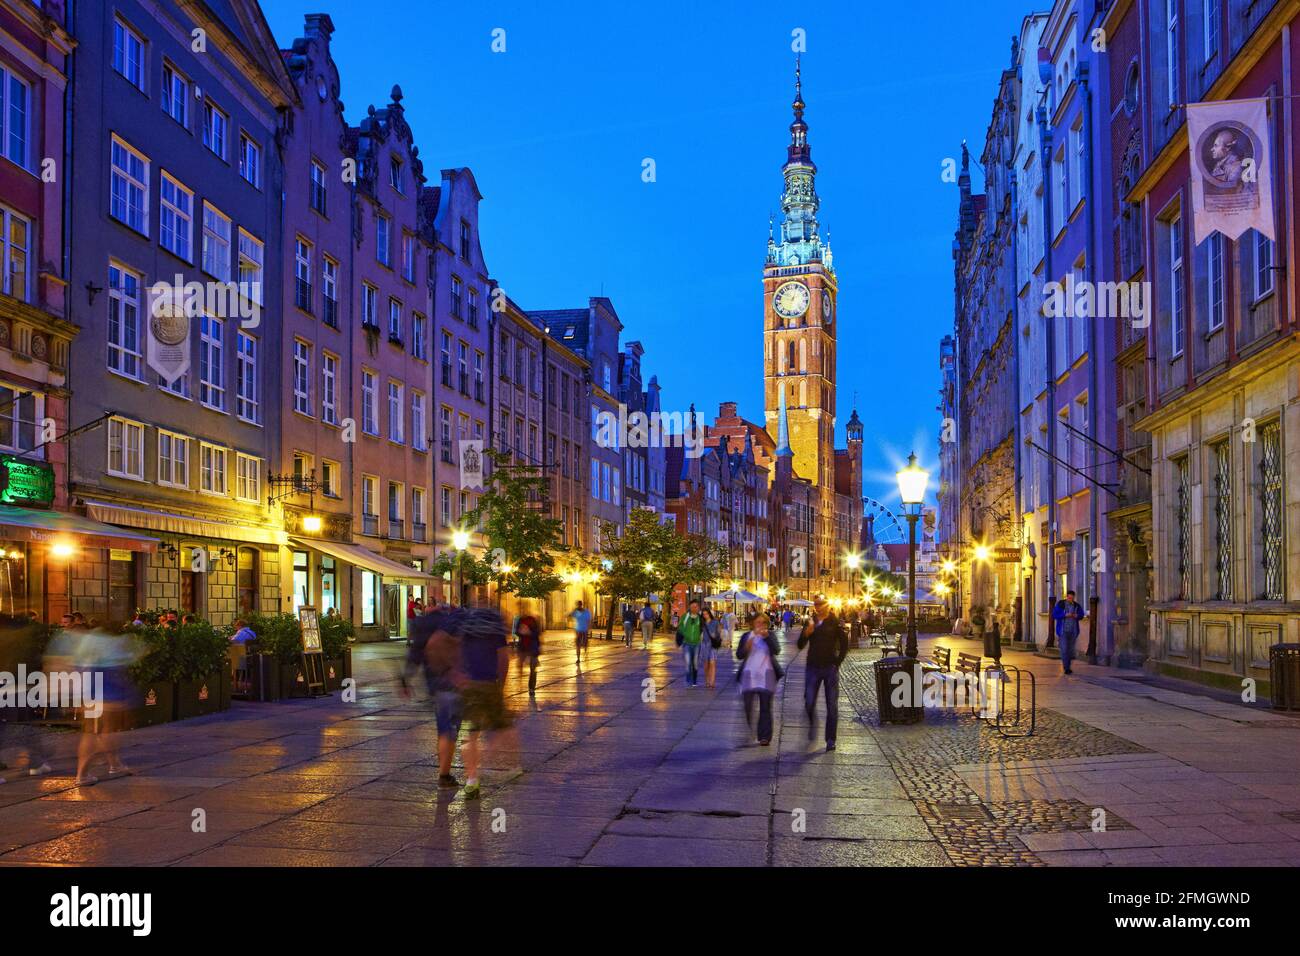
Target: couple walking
760	669
699	635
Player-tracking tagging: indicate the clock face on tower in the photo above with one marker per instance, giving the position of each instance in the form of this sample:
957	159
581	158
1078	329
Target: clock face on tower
791	300
826	307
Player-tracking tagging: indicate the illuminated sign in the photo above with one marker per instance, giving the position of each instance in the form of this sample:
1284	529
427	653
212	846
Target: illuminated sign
25	482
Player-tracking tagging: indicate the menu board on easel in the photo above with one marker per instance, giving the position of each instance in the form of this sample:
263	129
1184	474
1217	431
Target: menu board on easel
313	653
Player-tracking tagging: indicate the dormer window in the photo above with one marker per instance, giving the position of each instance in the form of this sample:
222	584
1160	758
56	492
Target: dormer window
395	177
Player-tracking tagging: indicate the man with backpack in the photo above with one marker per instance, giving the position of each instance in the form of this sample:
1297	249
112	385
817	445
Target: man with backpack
1067	614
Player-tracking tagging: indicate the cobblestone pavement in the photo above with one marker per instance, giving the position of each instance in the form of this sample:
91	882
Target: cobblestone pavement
624	765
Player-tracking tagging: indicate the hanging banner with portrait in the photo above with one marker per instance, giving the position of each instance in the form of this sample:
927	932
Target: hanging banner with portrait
1231	168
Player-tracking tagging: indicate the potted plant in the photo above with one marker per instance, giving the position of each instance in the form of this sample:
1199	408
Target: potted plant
336	634
151	673
977	621
198	662
277	670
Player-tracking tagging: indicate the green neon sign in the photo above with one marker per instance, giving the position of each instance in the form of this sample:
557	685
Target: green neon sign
25	482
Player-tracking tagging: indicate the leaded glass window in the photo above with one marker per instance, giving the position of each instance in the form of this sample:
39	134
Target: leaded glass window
1184	530
1223	518
1270	509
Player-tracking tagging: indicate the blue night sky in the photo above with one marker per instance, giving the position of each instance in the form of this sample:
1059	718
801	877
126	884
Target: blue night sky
556	129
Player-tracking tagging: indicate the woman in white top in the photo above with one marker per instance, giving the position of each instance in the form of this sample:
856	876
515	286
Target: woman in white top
760	669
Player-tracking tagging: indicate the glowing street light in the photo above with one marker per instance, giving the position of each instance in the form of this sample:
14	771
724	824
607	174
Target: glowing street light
982	552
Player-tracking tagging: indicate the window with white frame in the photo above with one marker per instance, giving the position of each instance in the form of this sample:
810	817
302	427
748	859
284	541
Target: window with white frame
302	250
383	240
1077	144
248	477
595	479
318	186
248	405
216	242
129	186
15	118
21	412
15	244
330	472
329	290
212	373
395	417
369	494
125	448
173	459
175	94
455	296
215	125
419	431
408	257
1176	285
1060	188
417	506
251	266
1217	281
1210	22
212	468
250	159
124	346
128	53
419	336
301	377
176	217
1171	52
445	510
329	388
615	487
369	403
1263	264
394	320
370	306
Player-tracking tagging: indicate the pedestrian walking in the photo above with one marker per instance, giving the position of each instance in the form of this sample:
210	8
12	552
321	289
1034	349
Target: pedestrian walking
485	660
19	644
434	650
647	625
689	630
1067	614
827	646
629	624
581	630
95	653
528	632
710	642
760	669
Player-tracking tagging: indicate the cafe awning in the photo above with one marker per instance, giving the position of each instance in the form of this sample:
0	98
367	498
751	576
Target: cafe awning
60	527
392	571
167	522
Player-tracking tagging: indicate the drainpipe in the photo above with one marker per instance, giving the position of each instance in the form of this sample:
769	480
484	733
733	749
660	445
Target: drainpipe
69	96
1094	398
1289	203
1018	517
1045	138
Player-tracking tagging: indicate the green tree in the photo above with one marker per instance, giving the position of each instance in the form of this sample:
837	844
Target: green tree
521	535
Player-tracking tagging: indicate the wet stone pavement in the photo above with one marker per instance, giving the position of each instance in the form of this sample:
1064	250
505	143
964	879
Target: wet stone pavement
622	764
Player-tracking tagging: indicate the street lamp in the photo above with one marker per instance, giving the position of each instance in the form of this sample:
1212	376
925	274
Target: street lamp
911	488
460	541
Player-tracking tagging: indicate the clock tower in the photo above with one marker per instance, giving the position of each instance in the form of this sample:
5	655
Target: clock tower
799	318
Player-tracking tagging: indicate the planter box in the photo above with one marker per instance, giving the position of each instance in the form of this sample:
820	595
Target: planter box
199	697
264	677
338	669
152	704
293	682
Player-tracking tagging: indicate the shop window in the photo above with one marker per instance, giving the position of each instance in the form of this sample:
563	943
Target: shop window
329	597
369	598
301	583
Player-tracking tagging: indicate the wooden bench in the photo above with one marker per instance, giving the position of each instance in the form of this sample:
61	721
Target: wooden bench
969	663
940	659
895	649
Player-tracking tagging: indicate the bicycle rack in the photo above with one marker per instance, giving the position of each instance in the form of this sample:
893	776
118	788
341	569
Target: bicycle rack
1014	728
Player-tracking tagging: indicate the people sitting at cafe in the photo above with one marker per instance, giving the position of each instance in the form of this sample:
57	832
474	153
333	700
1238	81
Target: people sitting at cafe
242	633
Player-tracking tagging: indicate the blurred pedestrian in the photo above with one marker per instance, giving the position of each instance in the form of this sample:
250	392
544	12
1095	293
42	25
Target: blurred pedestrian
689	630
95	654
20	644
434	651
760	669
528	633
629	624
581	630
484	663
710	641
827	647
647	625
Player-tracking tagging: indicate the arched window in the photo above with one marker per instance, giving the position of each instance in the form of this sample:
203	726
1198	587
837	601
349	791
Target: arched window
790	365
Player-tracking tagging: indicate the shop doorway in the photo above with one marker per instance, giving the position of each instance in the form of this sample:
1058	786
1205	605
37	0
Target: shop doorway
394	610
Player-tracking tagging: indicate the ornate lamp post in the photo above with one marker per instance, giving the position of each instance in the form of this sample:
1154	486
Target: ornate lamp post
898	679
460	541
911	488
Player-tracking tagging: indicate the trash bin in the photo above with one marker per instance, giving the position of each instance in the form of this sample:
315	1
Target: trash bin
993	641
1284	676
886	687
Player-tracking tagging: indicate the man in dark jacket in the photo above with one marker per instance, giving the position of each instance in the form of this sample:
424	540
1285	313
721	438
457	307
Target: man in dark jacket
435	650
827	645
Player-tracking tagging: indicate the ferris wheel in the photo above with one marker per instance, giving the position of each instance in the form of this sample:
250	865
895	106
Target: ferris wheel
886	526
